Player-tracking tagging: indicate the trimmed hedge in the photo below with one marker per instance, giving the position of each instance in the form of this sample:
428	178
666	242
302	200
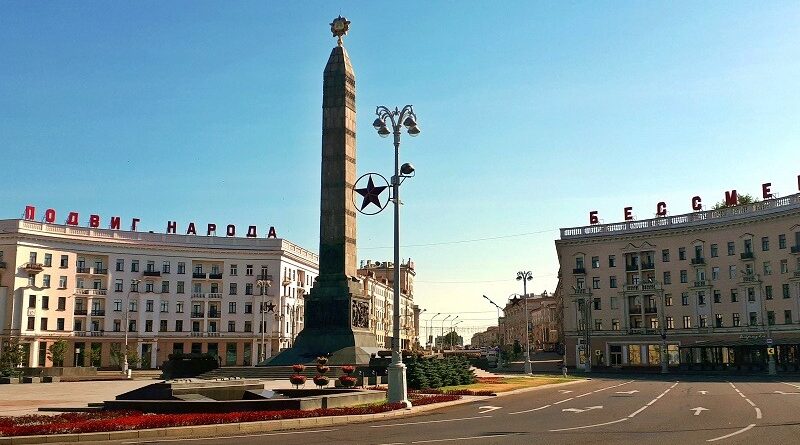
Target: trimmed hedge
424	373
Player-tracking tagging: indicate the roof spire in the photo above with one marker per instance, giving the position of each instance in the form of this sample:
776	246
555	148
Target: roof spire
339	28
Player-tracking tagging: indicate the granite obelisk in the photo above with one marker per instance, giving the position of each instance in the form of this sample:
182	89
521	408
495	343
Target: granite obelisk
337	318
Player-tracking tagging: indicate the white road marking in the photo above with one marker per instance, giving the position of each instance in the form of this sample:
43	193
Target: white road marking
460	438
631	416
588	426
429	421
703	392
613	386
758	413
747	428
633	391
531	410
578	410
564	391
488	409
562	401
785	393
791	384
750	402
228	437
758	410
583	395
698	410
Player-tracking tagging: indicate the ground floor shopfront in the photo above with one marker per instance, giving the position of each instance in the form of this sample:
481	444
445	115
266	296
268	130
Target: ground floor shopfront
735	353
146	353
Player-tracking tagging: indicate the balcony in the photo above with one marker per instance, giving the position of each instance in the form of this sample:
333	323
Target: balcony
642	331
747	256
101	271
213	334
750	278
797	274
32	268
199	275
215	276
631	267
214	295
701	283
630	288
79	311
580	292
197	315
198	295
96	333
91	292
795	249
196	334
214	314
648	266
635	310
152	273
579	271
261	276
98	312
698	261
82	269
650	310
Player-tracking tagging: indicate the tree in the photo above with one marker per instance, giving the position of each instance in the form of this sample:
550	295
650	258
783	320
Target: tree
94	355
13	354
58	350
117	354
742	199
452	338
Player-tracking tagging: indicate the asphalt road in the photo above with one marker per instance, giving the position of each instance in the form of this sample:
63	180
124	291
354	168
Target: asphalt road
598	411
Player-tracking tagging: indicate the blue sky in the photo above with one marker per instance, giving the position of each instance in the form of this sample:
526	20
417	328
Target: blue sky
532	114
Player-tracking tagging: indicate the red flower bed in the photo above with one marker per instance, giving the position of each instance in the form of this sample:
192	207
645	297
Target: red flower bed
457	392
419	399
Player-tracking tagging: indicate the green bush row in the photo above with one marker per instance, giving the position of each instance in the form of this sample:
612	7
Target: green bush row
437	372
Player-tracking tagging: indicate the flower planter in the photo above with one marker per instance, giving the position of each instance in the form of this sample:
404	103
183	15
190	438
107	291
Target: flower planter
347	381
298	368
297	380
322	360
348	369
321	380
323	369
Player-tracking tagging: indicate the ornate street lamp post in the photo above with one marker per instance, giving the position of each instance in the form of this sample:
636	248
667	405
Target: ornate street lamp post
264	283
397	120
526	276
499	336
135	288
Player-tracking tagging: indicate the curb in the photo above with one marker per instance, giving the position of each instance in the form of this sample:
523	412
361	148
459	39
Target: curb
264	426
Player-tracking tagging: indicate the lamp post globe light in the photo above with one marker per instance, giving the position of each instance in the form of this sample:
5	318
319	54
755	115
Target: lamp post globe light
134	288
526	276
397	119
499	337
263	284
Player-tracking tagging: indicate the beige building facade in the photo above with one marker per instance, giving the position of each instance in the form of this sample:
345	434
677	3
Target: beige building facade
716	289
543	311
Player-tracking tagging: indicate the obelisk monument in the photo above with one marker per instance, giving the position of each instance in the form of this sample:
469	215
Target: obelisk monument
337	317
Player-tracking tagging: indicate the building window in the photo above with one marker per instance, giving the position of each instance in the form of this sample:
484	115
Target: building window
595	262
232	307
748	246
134	265
62	303
787	316
178	325
233	289
685	299
717	296
782	241
181	267
231	326
667	277
248	308
148	306
164	306
770	318
751	294
614	324
665	256
148	286
598	325
669	323
768	292
117	305
714	251
668	300
118	285
731	248
120	265
248	289
734	295
784	266
151	266
701	298
681	253
162	326
613	303
234	270
64	262
732	271
48	259
62	282
180	287
753	318
117	326
718	320
579	262
131	325
148	325
687	321
612	282
249	270
596	304
684	277
165	267
785	289
31	323
735	319
32	301
179	307
248	326
595	283
165	287
612	261
195	326
714	273
764	243
767	268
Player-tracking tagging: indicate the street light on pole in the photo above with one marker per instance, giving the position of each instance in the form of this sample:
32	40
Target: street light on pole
442	332
526	276
135	288
451	330
455	334
263	283
428	331
398	119
499	336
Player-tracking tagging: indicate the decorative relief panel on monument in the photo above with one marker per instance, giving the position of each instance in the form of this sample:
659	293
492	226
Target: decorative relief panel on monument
360	316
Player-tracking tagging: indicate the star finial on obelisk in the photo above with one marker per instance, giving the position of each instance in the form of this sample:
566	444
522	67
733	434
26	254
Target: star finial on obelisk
339	28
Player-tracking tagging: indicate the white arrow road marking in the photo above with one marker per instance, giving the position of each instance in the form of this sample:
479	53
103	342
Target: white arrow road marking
703	392
564	391
785	393
578	410
633	391
698	410
488	409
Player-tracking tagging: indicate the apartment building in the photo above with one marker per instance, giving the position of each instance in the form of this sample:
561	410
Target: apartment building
716	289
